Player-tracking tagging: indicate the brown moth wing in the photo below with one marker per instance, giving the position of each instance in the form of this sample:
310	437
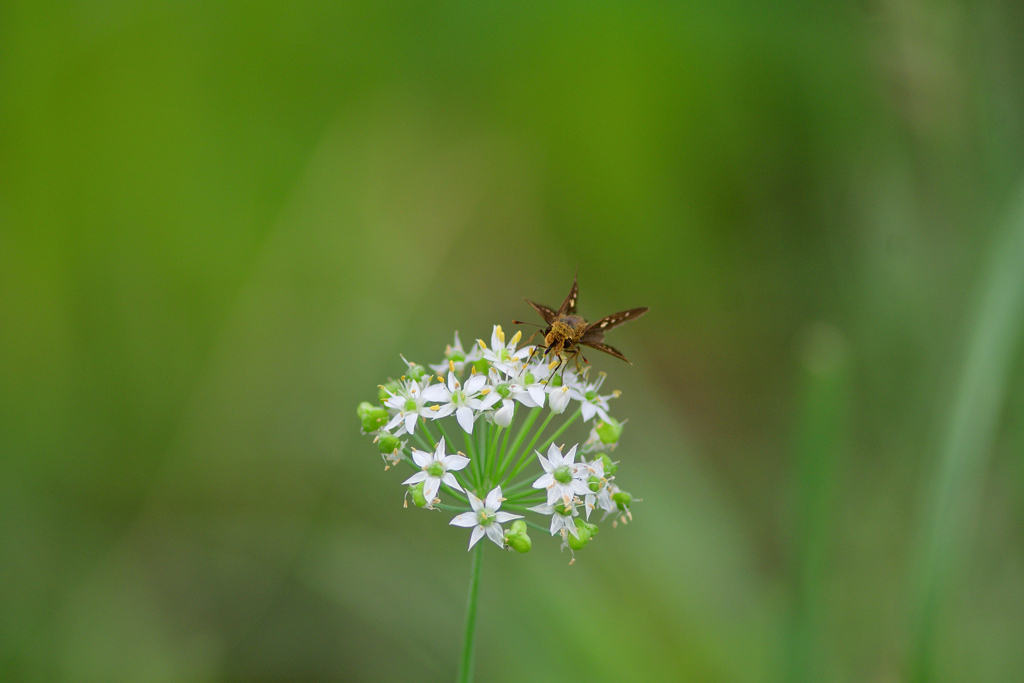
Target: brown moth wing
614	320
547	313
569	305
600	346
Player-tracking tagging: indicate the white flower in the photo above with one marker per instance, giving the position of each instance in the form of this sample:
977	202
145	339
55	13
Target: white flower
502	356
466	401
524	383
485	518
503	415
456	358
409	402
561	477
591	403
436	469
559	399
561	517
599	487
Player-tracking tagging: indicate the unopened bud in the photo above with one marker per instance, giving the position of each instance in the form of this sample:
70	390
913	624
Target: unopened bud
609	431
388	444
372	417
517	538
418	372
622	500
416	491
482	365
503	416
558	401
610	468
386	390
582	537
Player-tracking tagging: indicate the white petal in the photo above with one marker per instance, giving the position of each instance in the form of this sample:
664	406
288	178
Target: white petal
588	410
465	417
444	411
439	451
542	509
475	502
478	533
436	393
422	458
555	453
451	481
571	526
496	534
537	393
453	383
544	481
416	478
524	398
475	384
503	517
430	488
544	462
495	342
410	422
455	462
465	519
489	400
571	455
493	501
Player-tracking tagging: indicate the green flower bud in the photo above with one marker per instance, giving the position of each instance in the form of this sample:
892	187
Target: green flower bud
592	528
435	469
594	483
622	500
373	418
580	542
591	395
417	372
517	538
388	444
555	381
563	475
610	468
529	379
610	431
457	356
383	394
416	491
482	365
504	390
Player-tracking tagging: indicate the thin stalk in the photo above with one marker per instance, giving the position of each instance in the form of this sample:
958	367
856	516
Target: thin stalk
524	461
506	456
452	508
536	526
474	463
492	454
430	436
527	452
466	667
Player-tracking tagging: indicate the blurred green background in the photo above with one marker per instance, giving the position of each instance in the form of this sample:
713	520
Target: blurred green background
220	223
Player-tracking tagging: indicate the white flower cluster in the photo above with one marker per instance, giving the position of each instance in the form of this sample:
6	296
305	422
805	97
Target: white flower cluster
489	382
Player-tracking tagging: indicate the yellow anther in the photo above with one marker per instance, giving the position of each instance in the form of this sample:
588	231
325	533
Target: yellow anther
440	378
403	377
616	393
553	364
501	335
451	366
435	408
481	343
517	337
485	391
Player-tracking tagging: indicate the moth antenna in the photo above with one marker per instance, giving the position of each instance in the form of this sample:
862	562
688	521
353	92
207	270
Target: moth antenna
521	322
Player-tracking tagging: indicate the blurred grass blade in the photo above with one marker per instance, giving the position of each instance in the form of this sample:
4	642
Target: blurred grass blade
957	487
820	432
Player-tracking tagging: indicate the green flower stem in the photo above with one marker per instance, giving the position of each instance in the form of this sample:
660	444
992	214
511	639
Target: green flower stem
454	494
536	526
466	668
474	463
527	454
524	461
430	436
506	456
447	439
575	416
504	449
418	438
492	454
453	508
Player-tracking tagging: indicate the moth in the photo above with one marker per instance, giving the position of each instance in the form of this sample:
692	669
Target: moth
567	331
